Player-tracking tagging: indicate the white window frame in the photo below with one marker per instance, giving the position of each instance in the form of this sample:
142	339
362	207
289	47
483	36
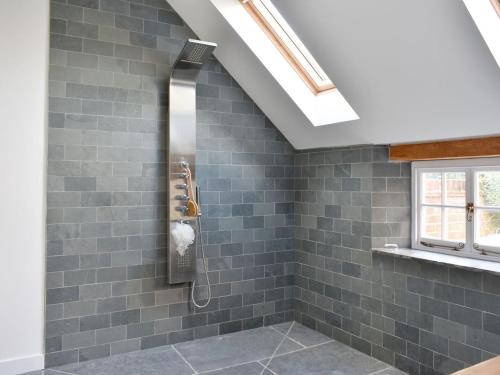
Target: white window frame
470	167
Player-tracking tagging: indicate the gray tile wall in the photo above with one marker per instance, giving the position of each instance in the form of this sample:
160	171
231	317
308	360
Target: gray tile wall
107	293
109	68
424	318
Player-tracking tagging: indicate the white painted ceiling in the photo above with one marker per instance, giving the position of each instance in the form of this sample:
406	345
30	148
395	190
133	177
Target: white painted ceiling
412	70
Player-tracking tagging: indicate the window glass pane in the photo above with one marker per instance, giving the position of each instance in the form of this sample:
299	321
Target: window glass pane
455	188
488	227
489	188
454	224
431	188
431	222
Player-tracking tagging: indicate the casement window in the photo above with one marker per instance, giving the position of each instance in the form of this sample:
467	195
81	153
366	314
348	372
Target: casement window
289	44
456	207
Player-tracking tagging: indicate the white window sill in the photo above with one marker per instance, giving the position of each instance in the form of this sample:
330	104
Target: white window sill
456	261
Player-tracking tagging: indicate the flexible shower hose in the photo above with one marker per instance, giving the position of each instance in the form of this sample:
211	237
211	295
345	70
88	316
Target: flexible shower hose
198	221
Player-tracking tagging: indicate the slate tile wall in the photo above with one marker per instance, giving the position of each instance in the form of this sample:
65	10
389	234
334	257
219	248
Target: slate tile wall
424	318
106	288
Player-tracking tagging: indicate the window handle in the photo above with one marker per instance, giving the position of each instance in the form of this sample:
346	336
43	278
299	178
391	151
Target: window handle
458	247
469	207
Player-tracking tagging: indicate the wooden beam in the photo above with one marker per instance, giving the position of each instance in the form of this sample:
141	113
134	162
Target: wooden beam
459	149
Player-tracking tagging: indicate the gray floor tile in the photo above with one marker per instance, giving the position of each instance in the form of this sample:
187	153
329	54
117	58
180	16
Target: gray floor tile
223	351
302	334
159	361
47	372
326	359
241	353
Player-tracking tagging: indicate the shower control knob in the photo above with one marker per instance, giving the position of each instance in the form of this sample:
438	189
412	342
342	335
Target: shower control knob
182	197
180	175
182	209
182	186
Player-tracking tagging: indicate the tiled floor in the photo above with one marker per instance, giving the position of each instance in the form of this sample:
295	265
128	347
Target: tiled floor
302	351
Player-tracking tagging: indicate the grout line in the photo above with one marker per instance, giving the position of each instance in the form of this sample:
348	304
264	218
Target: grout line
268	369
379	371
277	348
184	359
323	343
60	371
271	371
289	338
299	350
298	343
231	366
265	358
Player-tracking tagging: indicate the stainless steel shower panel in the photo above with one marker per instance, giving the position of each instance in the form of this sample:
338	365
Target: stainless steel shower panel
182	150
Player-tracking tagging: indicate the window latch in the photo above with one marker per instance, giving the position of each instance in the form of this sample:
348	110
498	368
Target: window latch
469	207
476	247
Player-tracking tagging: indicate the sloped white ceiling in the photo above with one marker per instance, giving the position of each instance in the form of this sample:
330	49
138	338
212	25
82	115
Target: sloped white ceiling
412	70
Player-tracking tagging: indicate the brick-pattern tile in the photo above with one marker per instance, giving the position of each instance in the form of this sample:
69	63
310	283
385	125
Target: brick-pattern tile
107	291
421	317
287	234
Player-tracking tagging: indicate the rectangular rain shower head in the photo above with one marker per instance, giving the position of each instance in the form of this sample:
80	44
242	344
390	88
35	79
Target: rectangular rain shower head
196	51
192	57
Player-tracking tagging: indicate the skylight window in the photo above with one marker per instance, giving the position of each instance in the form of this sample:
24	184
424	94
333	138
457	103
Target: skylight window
272	61
289	44
486	15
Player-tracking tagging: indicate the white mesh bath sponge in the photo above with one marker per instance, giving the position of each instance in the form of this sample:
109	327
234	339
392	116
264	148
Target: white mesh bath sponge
183	235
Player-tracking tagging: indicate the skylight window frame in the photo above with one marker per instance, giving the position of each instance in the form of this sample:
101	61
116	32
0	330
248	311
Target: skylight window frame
288	43
496	5
486	15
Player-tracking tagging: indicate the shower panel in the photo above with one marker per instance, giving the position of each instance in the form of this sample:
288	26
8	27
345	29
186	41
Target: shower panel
182	154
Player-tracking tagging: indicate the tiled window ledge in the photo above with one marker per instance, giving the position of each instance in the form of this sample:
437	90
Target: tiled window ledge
456	261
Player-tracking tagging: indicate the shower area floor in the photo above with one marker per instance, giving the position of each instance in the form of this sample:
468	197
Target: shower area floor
302	351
